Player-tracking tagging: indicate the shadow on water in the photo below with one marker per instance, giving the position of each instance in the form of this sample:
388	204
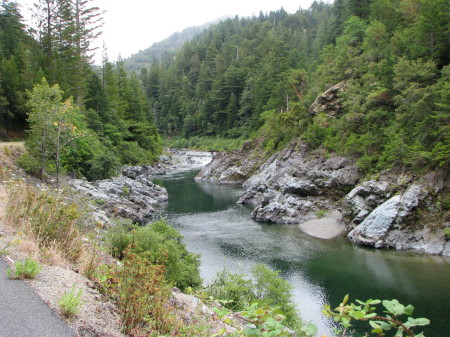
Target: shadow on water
321	271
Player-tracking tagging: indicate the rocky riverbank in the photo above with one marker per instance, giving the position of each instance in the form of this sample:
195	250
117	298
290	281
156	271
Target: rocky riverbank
98	315
298	186
132	195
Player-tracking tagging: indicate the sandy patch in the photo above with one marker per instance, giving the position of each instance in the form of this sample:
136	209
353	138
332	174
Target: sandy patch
324	228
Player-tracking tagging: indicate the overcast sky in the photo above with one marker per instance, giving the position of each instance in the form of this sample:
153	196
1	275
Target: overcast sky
133	25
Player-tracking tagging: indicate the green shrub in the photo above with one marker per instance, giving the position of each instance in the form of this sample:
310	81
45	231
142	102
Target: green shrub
320	213
28	269
389	320
139	287
447	232
70	302
46	216
271	322
29	164
158	240
102	166
264	286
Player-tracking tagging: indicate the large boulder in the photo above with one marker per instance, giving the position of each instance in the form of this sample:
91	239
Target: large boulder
363	199
373	230
292	185
329	101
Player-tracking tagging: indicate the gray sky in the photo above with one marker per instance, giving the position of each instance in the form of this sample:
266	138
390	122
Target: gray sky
133	25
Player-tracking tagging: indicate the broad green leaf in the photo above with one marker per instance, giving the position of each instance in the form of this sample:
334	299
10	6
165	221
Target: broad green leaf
370	315
422	321
358	315
385	325
409	310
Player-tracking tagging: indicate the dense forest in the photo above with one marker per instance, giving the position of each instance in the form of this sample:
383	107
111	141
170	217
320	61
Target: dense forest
85	120
168	46
257	77
241	78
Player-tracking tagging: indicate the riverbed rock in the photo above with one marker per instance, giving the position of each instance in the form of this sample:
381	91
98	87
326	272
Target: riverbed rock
427	240
233	167
325	228
296	185
363	199
130	196
373	230
292	185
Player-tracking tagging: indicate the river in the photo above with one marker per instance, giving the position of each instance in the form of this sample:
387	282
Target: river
321	271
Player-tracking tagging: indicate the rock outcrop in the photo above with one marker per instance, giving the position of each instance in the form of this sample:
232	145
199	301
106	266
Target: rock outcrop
292	185
295	185
130	196
328	102
233	167
389	222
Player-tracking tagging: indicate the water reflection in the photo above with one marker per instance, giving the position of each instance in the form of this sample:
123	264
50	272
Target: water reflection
321	271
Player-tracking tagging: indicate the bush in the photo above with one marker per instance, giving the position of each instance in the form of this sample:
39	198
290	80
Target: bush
46	216
264	286
102	166
29	164
139	288
28	269
158	240
390	320
70	302
320	213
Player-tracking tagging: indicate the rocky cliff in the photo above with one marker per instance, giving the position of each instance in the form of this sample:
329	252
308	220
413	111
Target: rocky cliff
297	185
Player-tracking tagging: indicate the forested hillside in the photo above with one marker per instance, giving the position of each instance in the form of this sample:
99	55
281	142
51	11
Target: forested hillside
252	77
146	57
84	120
241	78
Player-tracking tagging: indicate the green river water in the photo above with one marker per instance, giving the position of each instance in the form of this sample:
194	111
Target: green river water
321	271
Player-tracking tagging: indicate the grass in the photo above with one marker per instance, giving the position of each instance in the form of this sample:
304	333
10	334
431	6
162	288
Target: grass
70	303
28	269
320	213
447	233
47	217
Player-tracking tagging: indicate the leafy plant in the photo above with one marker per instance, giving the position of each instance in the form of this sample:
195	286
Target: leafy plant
71	302
125	191
345	313
263	286
28	269
447	232
154	240
47	216
139	288
320	213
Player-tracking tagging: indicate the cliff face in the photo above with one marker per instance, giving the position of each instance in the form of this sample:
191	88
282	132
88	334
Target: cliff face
296	185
